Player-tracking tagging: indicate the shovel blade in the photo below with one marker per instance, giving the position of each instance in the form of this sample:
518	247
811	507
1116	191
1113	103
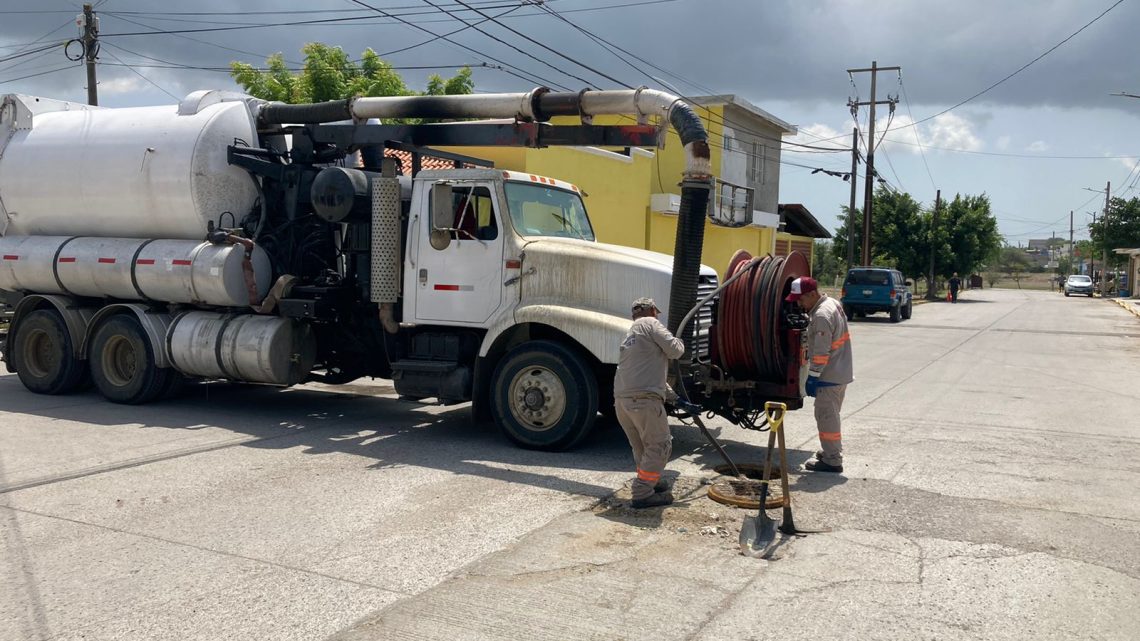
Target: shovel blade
757	535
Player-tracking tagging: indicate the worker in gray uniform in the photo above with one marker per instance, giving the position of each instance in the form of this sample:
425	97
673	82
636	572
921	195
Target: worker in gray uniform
830	368
640	393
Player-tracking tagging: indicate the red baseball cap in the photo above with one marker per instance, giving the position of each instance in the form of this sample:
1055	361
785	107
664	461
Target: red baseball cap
800	286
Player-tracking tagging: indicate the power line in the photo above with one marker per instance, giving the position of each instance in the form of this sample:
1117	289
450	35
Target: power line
140	75
526	75
445	35
192	39
35	75
1007	155
906	101
1022	68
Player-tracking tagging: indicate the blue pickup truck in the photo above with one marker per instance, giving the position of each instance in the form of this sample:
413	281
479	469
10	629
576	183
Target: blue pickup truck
876	289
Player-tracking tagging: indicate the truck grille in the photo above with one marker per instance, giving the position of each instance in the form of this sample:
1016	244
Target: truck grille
700	347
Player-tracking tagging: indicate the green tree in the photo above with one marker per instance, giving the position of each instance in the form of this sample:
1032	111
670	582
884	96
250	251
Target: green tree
1119	229
904	235
971	235
329	74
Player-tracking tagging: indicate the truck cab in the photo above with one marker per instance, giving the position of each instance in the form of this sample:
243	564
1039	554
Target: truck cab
513	258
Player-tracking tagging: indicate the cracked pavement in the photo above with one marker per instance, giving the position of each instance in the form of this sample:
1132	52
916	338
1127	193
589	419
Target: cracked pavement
992	457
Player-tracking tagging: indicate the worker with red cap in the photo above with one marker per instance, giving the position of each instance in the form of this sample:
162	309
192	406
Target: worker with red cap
829	364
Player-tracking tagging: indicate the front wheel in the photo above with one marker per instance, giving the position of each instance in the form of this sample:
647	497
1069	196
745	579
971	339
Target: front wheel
544	396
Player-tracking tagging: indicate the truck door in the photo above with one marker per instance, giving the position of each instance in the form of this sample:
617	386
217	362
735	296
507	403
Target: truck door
459	275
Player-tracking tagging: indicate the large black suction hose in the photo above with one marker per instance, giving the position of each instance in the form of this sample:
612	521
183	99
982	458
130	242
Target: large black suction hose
695	189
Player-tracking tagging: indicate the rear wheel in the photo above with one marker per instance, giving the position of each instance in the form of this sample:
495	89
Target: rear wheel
847	311
544	396
908	310
43	354
1066	293
896	314
122	363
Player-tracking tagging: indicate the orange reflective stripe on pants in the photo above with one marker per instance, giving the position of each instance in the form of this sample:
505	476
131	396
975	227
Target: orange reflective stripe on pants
830	436
650	477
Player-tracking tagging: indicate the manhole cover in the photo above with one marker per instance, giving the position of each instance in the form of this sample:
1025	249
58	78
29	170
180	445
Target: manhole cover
745	493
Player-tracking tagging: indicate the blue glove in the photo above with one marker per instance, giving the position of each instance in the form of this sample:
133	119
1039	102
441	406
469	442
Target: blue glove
812	385
690	408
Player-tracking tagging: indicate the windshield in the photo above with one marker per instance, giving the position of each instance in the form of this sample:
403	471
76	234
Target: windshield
539	210
868	277
1080	279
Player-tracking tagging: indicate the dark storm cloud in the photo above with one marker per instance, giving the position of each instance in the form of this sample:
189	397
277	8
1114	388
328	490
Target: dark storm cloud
764	50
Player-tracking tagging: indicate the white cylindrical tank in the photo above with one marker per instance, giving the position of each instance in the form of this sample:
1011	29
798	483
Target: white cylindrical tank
245	347
169	271
139	172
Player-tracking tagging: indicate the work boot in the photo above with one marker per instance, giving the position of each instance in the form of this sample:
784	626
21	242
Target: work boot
664	485
820	466
659	499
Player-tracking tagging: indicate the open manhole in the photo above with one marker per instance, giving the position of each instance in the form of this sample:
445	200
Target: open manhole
730	490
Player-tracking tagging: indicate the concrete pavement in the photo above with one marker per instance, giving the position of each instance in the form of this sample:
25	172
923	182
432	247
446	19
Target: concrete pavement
992	456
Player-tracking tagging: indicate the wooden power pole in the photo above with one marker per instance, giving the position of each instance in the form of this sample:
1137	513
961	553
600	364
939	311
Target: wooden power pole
90	40
930	295
851	206
869	187
1104	235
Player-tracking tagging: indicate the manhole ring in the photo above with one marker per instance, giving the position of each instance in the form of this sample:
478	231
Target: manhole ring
746	494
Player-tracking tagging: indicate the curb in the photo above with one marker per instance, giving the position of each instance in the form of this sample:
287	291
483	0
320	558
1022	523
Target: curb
1131	309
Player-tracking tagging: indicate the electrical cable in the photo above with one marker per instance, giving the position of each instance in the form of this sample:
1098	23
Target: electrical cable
1020	69
528	75
917	140
140	75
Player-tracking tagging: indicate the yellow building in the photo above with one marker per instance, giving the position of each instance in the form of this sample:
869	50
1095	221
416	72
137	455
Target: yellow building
633	195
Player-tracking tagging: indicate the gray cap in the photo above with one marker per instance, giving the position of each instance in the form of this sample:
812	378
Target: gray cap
645	303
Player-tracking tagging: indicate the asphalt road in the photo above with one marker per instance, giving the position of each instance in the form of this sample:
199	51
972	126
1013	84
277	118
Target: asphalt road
993	458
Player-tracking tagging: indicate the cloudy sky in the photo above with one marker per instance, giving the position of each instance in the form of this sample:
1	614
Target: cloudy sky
1034	143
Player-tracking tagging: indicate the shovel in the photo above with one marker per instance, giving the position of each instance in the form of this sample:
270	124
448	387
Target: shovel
758	534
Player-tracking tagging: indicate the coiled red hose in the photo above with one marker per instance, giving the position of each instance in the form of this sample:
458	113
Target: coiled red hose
750	342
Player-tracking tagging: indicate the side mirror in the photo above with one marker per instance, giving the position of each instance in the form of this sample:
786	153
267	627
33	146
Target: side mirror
442	216
910	283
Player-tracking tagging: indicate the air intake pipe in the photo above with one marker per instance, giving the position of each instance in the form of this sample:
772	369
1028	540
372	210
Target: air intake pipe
541	104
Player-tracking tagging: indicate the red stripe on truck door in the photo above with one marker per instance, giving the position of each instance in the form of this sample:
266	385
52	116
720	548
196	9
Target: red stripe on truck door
144	261
67	259
180	261
11	257
107	261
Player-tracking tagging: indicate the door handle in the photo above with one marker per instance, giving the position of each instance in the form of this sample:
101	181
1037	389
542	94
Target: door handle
423	276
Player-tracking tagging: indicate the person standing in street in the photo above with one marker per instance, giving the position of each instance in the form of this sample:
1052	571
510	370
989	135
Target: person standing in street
955	283
830	368
640	392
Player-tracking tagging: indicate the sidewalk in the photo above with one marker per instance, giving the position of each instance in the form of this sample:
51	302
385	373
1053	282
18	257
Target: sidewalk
1131	304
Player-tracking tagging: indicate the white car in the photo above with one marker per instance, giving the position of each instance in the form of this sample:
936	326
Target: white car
1078	284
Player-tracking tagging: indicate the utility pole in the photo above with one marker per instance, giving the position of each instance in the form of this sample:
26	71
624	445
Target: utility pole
90	40
1070	240
851	206
1104	258
869	187
1092	253
930	295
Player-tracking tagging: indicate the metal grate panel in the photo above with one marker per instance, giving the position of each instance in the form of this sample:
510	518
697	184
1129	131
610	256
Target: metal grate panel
705	286
385	240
